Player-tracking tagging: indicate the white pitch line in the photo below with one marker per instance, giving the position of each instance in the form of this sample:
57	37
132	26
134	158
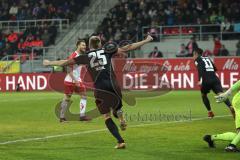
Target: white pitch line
100	130
27	99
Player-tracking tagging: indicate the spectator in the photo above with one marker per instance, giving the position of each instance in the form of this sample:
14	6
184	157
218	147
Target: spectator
2	43
13	37
182	51
238	48
217	46
191	46
45	37
53	34
118	35
36	11
29	37
21	45
155	53
8	50
21	14
213	17
13	10
28	10
223	51
207	53
225	26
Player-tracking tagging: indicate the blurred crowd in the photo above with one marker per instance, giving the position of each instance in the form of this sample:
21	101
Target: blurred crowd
14	43
126	19
219	49
41	9
186	50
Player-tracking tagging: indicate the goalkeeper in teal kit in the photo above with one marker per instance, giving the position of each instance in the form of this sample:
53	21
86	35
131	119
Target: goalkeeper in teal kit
234	138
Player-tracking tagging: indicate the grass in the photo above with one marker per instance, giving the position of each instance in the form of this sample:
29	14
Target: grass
31	115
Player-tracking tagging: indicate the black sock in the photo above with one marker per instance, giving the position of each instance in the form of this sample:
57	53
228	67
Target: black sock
228	103
206	102
114	130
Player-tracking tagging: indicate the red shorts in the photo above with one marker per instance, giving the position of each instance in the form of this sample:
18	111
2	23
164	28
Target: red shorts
70	88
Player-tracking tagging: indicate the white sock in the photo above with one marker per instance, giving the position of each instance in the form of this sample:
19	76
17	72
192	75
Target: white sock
83	104
64	105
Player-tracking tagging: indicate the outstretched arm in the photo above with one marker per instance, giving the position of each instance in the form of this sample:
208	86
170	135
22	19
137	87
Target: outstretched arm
58	63
136	45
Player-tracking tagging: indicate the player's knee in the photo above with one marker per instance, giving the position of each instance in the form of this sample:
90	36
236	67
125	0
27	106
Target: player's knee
117	113
106	116
204	95
67	98
84	96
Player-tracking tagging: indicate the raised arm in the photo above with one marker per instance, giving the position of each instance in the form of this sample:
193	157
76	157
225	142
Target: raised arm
136	45
58	63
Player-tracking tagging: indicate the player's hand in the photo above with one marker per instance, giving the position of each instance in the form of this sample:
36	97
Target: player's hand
199	83
221	97
46	62
149	38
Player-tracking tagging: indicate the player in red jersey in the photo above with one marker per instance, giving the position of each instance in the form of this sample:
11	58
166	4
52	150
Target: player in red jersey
73	84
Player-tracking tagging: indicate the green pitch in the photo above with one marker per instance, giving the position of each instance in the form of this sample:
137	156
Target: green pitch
152	132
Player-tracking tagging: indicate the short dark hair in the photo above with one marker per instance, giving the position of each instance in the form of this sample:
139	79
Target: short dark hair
199	51
80	41
94	42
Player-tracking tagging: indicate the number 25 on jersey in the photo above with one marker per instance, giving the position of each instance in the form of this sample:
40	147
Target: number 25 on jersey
98	60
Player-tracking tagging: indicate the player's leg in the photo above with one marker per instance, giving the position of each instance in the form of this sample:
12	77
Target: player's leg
68	91
117	110
205	89
232	147
113	129
236	105
64	104
81	90
118	113
82	107
234	138
105	101
206	102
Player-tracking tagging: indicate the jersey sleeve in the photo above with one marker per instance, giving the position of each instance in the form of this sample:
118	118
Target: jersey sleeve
82	59
236	86
73	55
214	67
200	68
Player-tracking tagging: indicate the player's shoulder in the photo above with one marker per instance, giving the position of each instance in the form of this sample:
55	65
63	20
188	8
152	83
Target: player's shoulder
73	55
208	58
198	59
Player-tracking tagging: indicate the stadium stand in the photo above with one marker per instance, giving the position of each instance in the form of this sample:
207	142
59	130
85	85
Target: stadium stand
44	34
126	19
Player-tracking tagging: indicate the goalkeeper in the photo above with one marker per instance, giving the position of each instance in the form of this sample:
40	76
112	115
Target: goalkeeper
228	136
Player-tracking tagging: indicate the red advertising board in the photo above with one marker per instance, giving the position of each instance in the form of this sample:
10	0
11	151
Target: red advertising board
133	74
178	73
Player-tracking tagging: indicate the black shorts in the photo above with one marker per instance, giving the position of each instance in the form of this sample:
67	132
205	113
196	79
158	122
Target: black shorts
214	85
108	97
